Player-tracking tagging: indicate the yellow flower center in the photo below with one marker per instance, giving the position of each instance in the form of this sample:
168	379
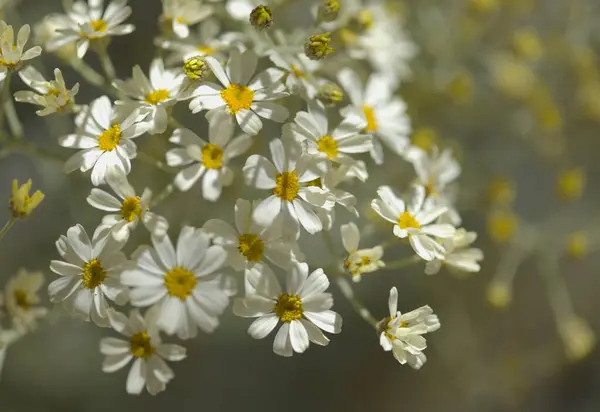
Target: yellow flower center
157	96
288	308
180	282
93	274
98	25
21	299
140	344
251	246
371	120
328	145
205	50
212	156
237	97
109	139
131	208
297	72
407	221
286	186
53	92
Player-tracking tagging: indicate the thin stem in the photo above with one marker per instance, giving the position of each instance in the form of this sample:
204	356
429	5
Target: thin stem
7	227
107	64
166	192
558	294
174	123
402	263
91	75
358	306
10	113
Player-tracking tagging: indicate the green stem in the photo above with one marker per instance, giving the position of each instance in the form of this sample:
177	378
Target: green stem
358	306
7	226
402	263
166	192
107	64
91	76
10	113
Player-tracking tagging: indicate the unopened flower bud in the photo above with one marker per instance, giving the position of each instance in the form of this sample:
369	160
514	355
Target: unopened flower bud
329	10
195	68
21	204
261	17
330	94
317	46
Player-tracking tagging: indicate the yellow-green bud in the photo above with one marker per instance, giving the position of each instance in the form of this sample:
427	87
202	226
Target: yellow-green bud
329	10
317	47
261	17
195	68
330	94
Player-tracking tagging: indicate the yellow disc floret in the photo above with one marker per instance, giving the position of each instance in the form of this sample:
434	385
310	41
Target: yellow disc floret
371	120
21	300
180	282
109	139
237	97
195	68
328	145
212	156
286	186
93	274
157	96
288	308
408	221
251	246
317	46
141	346
131	208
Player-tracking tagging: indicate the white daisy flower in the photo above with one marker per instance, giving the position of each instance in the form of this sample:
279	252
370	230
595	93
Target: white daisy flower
204	42
299	71
89	275
183	282
13	55
241	95
402	333
459	256
150	98
86	23
207	160
130	208
414	221
181	14
249	242
304	308
21	300
144	347
53	95
105	143
325	143
384	114
289	179
359	261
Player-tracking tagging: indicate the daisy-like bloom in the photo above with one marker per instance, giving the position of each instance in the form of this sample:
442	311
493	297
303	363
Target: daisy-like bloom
249	242
105	143
403	333
90	274
144	347
150	98
21	204
384	114
299	71
204	42
181	14
414	221
129	207
53	95
324	143
207	160
304	308
86	23
241	95
13	55
289	179
183	282
21	299
459	256
359	261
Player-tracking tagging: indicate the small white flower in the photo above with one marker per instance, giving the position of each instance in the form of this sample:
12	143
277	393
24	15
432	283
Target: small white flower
183	282
52	95
300	73
359	261
130	207
207	160
150	98
202	43
90	274
384	114
289	179
304	308
249	242
402	333
414	221
21	299
144	347
241	95
13	55
459	256
105	143
85	23
184	13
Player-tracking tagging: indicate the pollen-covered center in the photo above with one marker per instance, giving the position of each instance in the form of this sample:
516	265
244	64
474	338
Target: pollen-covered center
21	300
98	25
205	50
407	221
131	208
157	96
212	156
93	274
371	120
297	72
286	186
109	139
237	97
141	346
180	282
328	145
288	307
251	246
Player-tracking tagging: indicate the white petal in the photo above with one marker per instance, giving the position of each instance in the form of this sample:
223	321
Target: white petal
298	336
350	237
136	379
262	326
327	320
281	344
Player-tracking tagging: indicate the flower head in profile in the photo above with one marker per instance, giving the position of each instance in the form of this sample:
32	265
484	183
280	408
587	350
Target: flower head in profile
21	300
181	14
459	256
13	55
359	261
304	308
53	95
21	203
144	347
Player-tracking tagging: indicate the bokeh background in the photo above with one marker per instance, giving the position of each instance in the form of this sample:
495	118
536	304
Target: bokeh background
513	87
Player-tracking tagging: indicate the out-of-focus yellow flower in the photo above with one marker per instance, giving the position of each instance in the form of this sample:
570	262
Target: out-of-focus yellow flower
513	78
21	204
579	339
589	99
501	191
460	88
484	6
527	44
425	138
502	225
499	294
571	183
577	245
